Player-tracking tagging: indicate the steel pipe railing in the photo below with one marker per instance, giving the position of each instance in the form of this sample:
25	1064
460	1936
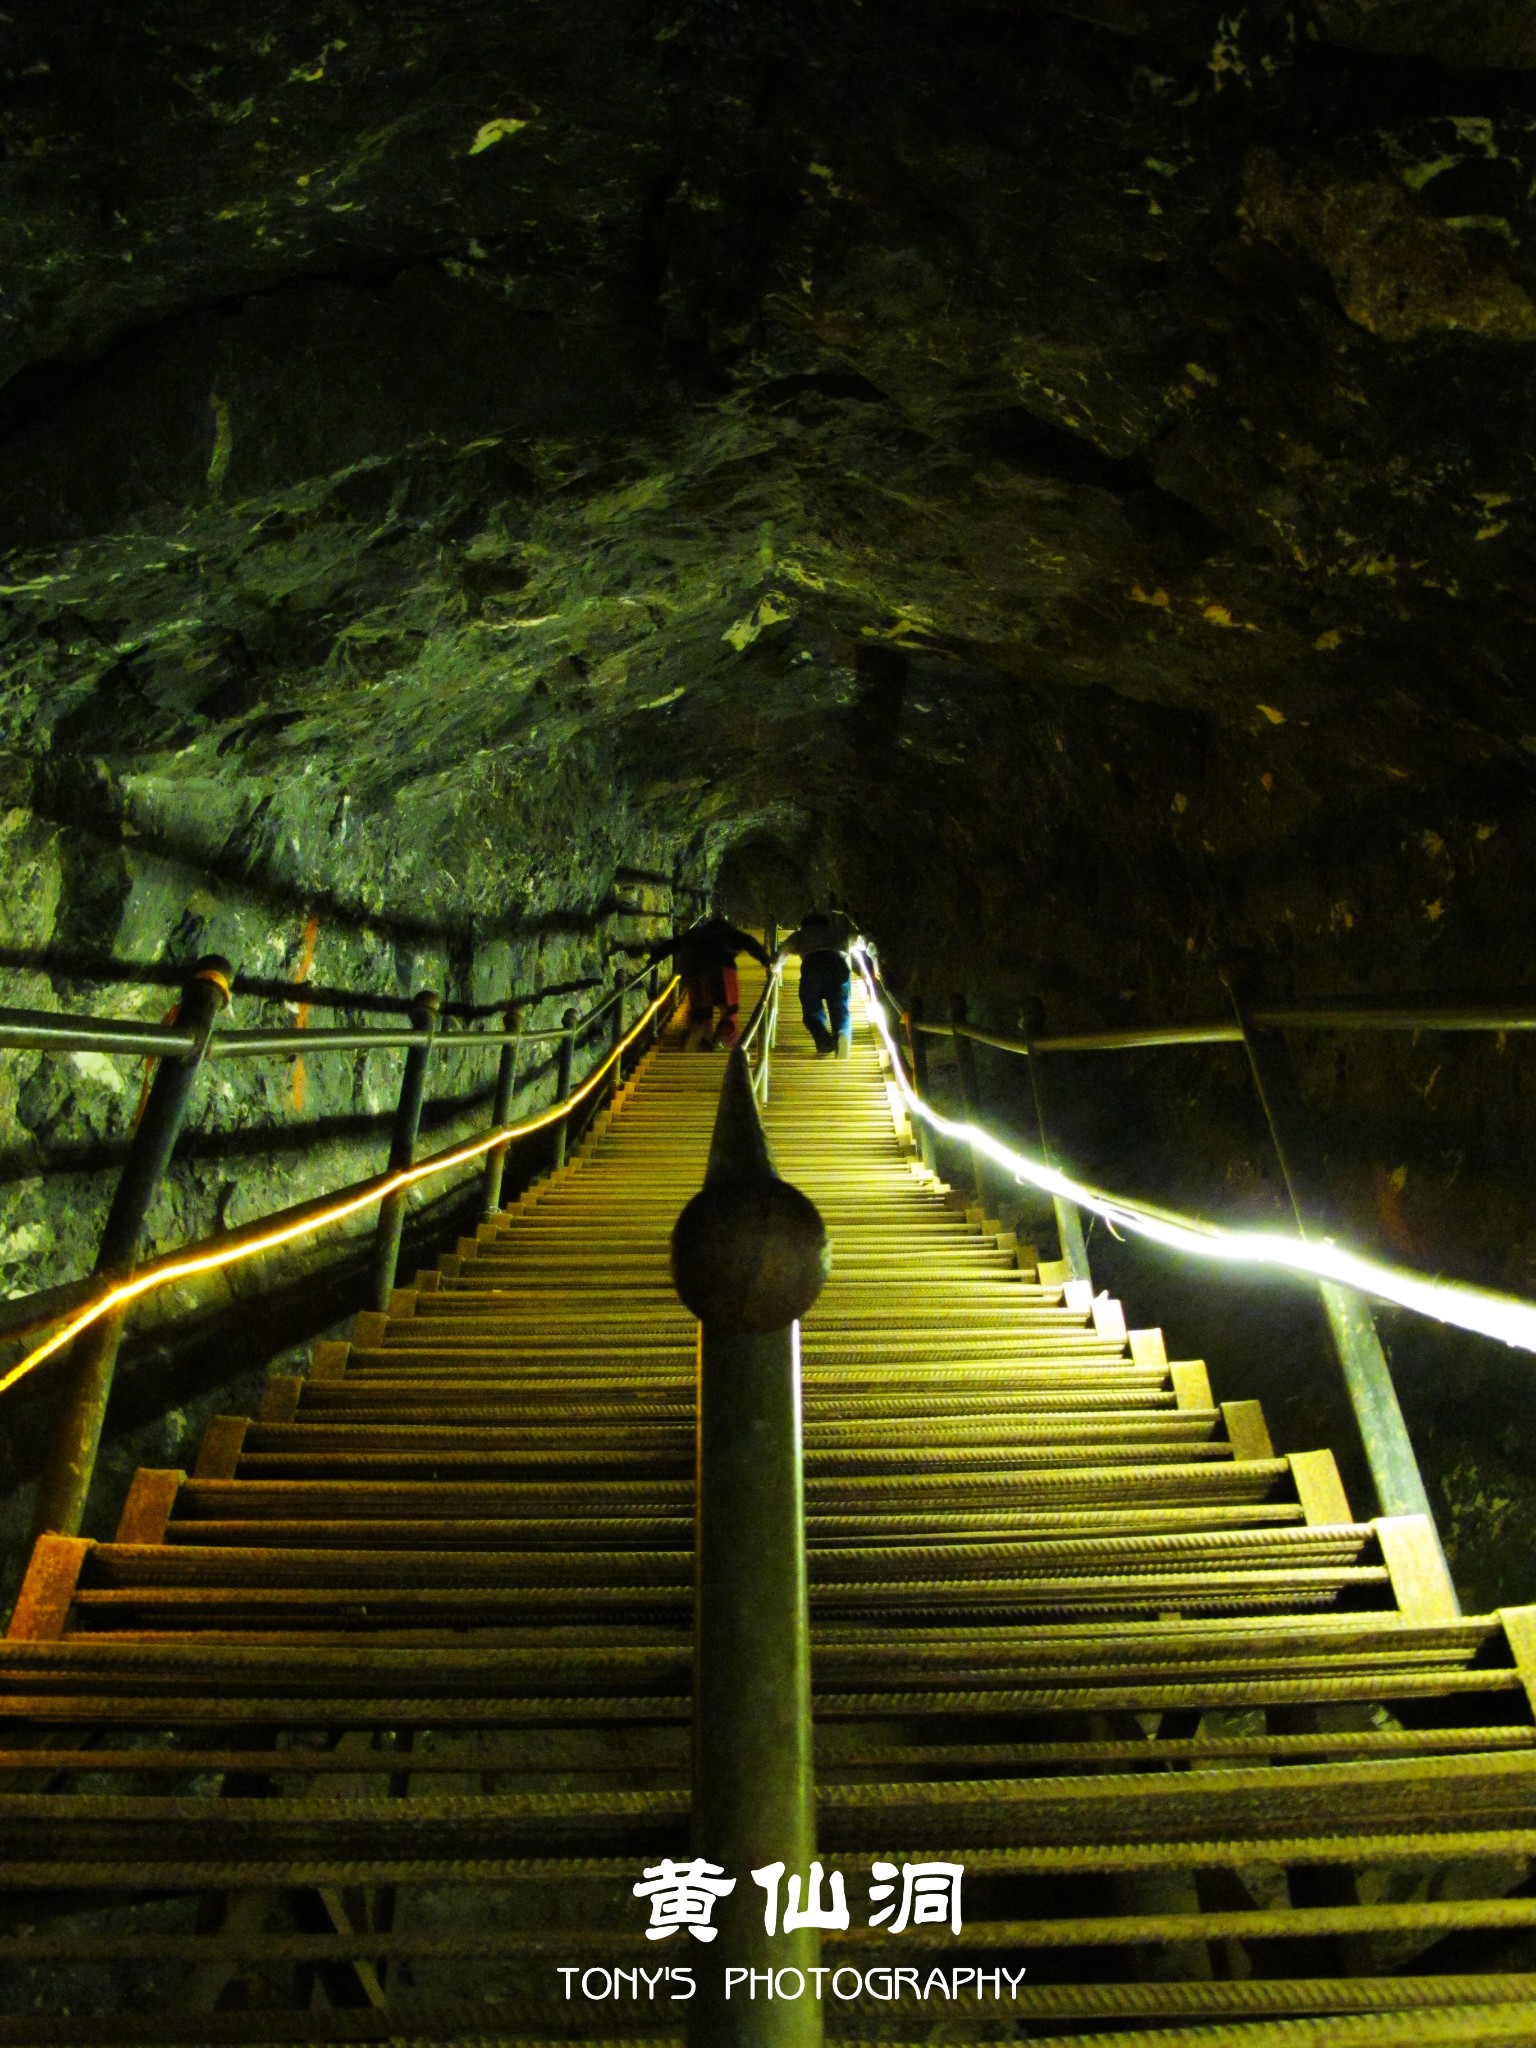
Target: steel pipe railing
29	1314
1393	1466
92	1310
306	994
1361	1013
389	1230
44	1031
1389	1454
563	1084
51	1031
761	1034
501	1111
71	1459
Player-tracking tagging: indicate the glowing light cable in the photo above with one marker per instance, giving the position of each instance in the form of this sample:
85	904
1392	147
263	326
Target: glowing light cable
193	1263
1456	1302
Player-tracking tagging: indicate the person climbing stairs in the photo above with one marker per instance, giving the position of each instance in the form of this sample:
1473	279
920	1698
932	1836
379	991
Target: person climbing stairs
366	1727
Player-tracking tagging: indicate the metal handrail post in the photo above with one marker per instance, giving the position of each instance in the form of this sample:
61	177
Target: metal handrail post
652	991
563	1084
71	1458
970	1092
757	1040
762	1052
52	1031
917	1055
616	1032
749	1258
1069	1218
501	1113
1389	1452
390	1227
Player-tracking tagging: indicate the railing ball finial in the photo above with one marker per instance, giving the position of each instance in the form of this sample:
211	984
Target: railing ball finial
749	1254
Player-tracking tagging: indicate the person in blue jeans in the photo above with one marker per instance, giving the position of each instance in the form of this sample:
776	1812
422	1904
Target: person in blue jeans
822	941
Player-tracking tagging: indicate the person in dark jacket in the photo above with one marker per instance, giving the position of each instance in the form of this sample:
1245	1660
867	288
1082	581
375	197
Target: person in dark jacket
705	957
822	941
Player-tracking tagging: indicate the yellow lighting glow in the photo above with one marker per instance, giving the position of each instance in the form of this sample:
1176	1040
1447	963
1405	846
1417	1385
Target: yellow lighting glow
1503	1316
193	1263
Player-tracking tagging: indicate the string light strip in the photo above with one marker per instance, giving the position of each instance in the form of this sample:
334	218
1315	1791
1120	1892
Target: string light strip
1479	1309
193	1263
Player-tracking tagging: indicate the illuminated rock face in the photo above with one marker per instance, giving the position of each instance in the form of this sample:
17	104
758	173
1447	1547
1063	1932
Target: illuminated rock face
1059	476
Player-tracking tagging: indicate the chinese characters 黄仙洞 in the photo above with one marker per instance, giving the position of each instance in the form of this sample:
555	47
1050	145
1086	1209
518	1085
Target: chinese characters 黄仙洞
684	1895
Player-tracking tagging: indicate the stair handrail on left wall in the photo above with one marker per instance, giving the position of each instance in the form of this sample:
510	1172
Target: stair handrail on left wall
87	1319
1344	1278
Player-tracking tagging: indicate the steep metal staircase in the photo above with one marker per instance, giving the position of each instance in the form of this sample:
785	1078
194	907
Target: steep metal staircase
365	1728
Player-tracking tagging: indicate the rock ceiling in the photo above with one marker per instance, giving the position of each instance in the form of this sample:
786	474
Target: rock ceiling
1076	456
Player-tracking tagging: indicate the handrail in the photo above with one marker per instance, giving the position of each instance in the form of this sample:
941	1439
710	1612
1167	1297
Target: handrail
320	995
285	1226
52	1031
1086	1041
1360	1013
304	1219
1481	1310
49	1031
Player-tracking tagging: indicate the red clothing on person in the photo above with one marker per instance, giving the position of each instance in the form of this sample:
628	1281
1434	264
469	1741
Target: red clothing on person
711	989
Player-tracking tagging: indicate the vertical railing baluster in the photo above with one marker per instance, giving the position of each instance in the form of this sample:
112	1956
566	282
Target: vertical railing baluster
71	1459
970	1092
917	1052
501	1112
563	1084
1389	1452
1069	1218
390	1228
616	1032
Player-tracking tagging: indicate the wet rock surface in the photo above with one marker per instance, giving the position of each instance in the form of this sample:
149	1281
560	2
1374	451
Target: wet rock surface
1059	475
